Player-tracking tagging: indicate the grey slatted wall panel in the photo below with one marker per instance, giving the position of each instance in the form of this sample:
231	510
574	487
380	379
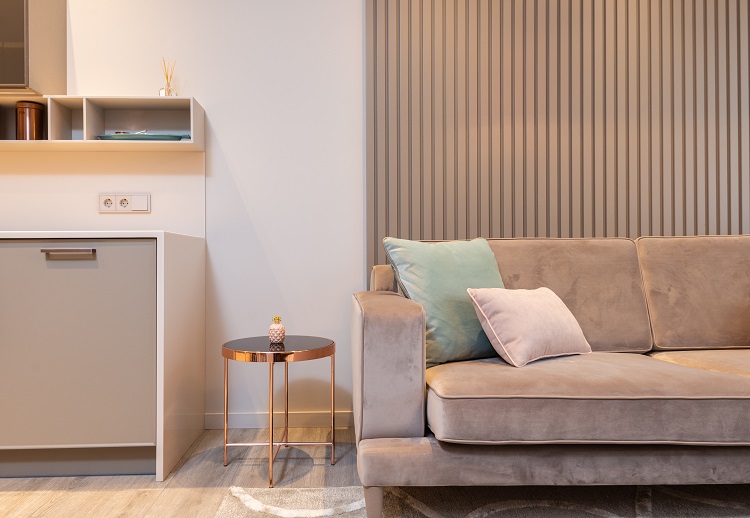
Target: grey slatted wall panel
559	118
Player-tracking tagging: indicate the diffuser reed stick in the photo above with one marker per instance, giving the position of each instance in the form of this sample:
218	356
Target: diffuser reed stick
168	71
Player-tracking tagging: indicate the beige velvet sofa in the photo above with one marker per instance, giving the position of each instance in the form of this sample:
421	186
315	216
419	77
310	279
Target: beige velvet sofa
664	398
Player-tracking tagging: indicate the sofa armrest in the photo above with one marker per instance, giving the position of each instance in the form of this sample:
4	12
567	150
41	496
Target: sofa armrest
388	356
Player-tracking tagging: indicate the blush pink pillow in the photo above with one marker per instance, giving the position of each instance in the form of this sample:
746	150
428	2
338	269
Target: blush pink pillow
527	325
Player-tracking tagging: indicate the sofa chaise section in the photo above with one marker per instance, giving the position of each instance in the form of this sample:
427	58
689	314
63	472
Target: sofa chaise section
728	361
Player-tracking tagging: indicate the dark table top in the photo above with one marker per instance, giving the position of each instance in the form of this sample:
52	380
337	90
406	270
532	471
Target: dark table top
295	348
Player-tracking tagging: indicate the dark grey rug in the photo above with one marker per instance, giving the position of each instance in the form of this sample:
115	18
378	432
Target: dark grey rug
480	502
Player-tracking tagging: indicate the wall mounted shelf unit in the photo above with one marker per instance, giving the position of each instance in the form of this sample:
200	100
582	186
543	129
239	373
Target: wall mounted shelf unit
75	122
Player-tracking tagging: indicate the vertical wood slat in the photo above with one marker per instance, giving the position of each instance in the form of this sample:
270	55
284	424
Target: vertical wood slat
507	154
565	120
743	44
495	120
561	118
552	122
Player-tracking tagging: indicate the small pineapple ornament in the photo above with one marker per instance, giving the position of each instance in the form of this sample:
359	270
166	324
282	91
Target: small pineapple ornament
276	331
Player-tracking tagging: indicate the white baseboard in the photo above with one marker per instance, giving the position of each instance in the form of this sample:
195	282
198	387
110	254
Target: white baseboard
215	421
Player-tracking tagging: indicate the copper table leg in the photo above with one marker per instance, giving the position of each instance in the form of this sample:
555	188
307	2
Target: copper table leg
333	410
270	424
226	395
286	404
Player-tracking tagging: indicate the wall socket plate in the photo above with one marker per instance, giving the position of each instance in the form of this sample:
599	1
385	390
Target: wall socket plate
125	203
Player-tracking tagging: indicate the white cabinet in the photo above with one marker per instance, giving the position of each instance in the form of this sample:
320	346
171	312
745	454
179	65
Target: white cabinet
78	342
101	351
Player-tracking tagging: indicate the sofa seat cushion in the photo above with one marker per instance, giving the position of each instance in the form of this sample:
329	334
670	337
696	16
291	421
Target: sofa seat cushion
729	361
595	398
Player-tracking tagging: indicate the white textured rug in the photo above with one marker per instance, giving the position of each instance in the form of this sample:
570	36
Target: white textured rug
484	502
292	503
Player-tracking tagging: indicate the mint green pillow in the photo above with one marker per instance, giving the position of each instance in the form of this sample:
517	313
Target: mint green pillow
437	275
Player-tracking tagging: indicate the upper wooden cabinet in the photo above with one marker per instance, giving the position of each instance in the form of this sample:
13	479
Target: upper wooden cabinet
13	44
33	47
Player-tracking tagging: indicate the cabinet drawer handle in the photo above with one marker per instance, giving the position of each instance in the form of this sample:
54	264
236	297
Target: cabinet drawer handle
68	251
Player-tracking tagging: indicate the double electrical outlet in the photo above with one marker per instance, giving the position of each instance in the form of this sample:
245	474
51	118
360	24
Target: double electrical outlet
125	203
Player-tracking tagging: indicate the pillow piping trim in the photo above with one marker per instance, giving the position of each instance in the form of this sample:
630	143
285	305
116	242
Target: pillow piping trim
486	319
396	273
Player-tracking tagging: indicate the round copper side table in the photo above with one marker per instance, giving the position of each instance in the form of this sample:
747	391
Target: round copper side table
257	349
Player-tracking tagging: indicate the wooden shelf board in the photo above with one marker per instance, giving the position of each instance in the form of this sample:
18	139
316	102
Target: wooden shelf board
74	103
141	103
10	100
96	145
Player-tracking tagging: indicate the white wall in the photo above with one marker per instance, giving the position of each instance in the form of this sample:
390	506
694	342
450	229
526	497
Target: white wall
59	190
281	82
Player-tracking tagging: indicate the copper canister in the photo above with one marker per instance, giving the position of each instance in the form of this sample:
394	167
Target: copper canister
29	121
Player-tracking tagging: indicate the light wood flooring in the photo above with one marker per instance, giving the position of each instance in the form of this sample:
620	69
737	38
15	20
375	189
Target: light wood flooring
197	485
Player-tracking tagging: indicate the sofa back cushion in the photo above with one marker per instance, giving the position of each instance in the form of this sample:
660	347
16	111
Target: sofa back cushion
598	279
382	278
698	290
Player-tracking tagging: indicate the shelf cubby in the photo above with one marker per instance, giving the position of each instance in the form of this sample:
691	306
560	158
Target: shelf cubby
65	118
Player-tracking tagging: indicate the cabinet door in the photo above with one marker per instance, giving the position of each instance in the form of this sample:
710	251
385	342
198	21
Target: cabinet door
13	43
77	343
